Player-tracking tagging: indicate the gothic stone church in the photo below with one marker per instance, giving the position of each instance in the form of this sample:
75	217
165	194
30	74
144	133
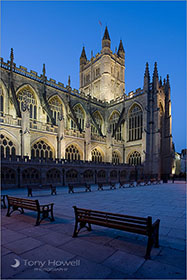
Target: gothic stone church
41	118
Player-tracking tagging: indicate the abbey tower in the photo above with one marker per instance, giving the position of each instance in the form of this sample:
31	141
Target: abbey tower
103	76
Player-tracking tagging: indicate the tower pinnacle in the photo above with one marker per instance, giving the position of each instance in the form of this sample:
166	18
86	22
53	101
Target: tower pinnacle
83	57
146	74
106	39
155	73
121	51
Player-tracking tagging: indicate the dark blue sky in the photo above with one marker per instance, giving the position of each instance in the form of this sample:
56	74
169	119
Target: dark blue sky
54	32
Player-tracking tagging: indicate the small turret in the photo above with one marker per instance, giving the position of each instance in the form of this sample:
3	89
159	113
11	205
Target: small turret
11	55
167	81
83	58
11	58
106	39
69	82
146	78
43	71
155	78
121	51
160	82
155	73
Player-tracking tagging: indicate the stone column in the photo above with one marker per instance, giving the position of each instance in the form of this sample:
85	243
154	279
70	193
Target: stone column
61	138
87	155
109	145
25	137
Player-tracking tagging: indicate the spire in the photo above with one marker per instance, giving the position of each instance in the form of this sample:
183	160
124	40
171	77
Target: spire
167	81
83	57
43	71
69	81
155	73
83	54
160	82
106	39
106	34
146	74
11	58
146	78
11	55
121	51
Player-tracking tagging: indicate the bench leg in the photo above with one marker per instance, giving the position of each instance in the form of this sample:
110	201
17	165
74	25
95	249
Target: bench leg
75	230
149	247
38	219
52	217
29	192
89	227
53	191
14	208
156	233
3	203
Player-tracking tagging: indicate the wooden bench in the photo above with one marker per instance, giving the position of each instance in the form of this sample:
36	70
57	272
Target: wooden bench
72	186
144	226
3	203
153	181
111	185
16	203
122	183
40	188
141	182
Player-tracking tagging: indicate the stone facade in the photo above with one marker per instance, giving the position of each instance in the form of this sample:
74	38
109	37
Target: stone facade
44	119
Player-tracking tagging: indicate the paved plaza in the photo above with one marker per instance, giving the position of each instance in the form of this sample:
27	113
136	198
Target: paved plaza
48	251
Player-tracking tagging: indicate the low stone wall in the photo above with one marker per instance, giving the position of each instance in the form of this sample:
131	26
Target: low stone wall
21	172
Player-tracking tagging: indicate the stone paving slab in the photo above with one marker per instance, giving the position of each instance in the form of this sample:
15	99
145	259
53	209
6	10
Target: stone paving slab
157	270
103	253
88	250
124	262
23	245
86	270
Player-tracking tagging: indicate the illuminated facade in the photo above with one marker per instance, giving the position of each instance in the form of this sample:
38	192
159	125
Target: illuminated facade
99	122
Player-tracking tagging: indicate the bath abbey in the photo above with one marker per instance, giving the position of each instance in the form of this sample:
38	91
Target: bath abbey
46	125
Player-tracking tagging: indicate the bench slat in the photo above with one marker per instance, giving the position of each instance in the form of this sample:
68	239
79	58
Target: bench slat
82	210
107	222
12	198
111	217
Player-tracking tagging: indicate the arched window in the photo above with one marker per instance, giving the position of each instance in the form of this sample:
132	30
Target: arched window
113	123
7	146
123	174
135	123
88	174
101	174
72	153
115	158
8	176
80	117
71	175
113	174
96	156
1	102
135	158
56	108
98	120
41	149
26	96
30	176
53	176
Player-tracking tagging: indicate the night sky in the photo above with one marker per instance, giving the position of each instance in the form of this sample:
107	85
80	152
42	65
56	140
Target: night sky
54	33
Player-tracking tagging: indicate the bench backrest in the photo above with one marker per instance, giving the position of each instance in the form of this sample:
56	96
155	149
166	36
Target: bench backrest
118	221
23	202
40	187
76	185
